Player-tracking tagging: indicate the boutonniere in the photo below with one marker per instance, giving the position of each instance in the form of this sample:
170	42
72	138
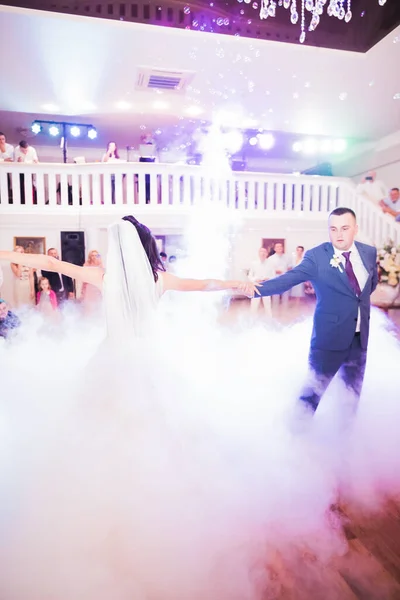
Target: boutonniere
337	263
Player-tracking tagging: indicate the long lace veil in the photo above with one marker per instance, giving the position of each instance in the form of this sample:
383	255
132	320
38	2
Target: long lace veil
129	287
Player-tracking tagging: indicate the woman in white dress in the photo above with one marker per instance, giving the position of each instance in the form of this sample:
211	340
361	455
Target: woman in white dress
24	286
155	490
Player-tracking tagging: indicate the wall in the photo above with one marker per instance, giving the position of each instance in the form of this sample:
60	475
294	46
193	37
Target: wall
245	243
382	157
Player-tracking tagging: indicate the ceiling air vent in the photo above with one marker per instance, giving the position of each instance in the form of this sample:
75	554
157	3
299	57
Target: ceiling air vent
160	79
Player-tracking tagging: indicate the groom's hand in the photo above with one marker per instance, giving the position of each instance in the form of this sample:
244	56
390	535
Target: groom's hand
248	288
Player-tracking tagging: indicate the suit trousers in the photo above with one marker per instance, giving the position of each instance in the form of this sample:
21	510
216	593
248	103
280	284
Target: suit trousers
324	364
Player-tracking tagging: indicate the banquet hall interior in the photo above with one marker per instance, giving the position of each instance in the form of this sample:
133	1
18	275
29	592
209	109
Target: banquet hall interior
230	128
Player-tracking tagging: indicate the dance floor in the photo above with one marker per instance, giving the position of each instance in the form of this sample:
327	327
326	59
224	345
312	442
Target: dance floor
370	569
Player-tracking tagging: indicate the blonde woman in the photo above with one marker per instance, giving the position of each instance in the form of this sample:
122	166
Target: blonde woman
24	284
91	295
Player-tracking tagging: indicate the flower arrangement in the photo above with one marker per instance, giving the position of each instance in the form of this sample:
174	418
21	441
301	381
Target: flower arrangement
389	264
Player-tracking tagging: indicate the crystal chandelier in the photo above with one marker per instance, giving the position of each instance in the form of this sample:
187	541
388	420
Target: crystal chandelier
341	9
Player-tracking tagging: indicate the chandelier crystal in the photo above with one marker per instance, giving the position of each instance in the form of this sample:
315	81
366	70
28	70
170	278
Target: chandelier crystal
341	9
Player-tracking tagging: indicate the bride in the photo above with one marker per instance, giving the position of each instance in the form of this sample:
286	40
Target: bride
127	484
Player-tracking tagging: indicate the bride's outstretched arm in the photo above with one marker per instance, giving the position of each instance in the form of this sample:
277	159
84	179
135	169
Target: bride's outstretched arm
43	262
172	282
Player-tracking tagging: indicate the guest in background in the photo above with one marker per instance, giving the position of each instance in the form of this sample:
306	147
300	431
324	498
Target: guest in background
23	285
171	264
6	150
62	286
261	270
6	155
91	296
46	298
391	205
373	189
24	153
298	291
164	259
8	320
111	156
147	154
279	264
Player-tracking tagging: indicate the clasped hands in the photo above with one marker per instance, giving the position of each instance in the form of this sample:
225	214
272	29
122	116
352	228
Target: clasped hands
248	288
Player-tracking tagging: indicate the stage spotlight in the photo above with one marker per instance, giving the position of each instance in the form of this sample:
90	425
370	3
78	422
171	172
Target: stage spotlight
267	141
233	141
75	131
92	133
253	141
297	147
339	146
36	128
53	130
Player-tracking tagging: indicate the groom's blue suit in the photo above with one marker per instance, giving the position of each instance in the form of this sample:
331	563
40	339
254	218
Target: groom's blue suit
335	345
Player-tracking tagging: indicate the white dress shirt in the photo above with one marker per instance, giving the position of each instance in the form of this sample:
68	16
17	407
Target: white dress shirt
29	157
8	153
260	270
279	262
359	269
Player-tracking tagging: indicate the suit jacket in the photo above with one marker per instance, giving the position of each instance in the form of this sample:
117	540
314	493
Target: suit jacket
336	313
55	283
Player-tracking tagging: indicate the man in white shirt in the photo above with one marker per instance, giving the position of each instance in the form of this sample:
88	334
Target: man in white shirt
391	205
260	271
6	150
25	153
6	155
372	188
279	263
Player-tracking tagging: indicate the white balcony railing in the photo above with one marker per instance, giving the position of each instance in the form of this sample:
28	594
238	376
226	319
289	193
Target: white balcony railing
97	187
101	184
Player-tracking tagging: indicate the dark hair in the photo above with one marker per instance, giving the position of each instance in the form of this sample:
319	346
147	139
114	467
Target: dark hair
342	210
302	247
172	258
163	255
23	144
395	190
116	149
149	245
1	133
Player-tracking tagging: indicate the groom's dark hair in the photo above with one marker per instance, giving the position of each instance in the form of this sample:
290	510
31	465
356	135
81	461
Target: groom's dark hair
342	210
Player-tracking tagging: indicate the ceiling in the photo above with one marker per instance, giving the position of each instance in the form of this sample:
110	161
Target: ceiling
370	22
83	68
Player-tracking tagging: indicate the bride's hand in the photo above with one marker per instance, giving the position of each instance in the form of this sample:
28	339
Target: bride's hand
247	288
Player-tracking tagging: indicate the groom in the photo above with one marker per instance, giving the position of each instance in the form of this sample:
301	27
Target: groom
344	275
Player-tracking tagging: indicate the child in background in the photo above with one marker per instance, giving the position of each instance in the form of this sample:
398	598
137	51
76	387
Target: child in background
46	298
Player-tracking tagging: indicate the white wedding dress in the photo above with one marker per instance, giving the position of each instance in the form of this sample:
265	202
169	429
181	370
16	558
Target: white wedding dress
158	466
